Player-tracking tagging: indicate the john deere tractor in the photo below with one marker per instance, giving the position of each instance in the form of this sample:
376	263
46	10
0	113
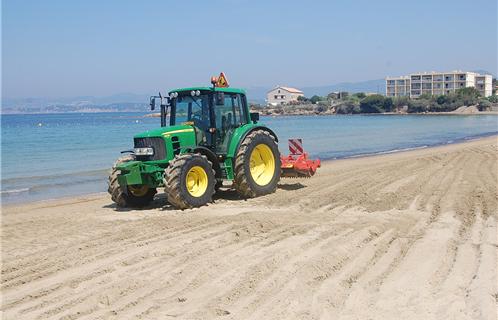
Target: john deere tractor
207	136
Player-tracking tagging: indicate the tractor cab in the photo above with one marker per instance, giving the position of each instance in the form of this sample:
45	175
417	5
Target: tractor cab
214	112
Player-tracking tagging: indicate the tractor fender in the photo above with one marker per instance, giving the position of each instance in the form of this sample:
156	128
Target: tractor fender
210	155
252	129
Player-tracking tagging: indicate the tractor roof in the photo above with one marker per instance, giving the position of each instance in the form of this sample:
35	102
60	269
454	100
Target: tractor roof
230	90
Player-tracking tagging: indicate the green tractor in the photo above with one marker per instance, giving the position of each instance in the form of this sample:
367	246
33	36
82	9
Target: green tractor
211	137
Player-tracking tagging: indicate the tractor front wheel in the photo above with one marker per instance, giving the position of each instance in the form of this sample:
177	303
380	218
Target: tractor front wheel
257	165
134	196
189	181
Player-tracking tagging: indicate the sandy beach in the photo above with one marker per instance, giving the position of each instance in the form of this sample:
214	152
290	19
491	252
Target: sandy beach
411	235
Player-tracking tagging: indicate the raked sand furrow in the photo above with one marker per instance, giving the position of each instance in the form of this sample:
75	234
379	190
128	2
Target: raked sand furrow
148	268
312	260
126	264
405	235
190	268
92	250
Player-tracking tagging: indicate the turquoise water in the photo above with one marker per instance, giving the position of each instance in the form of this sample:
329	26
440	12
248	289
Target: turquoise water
55	155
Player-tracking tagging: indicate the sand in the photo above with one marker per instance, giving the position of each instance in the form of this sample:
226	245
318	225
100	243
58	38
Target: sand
401	236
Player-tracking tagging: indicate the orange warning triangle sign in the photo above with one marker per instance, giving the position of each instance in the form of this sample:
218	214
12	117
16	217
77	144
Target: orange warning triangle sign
222	81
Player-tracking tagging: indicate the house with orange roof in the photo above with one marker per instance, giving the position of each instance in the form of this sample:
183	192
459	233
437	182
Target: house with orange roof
282	95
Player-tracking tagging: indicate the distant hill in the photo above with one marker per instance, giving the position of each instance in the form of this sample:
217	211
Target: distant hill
138	102
125	102
377	86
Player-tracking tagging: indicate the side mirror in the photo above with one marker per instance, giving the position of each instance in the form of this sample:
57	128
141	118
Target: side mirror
152	103
255	117
220	98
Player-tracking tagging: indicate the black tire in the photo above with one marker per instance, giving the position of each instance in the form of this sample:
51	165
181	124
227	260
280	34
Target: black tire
244	182
124	198
175	181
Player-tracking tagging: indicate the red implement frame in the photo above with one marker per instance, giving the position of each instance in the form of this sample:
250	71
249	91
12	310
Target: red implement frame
297	163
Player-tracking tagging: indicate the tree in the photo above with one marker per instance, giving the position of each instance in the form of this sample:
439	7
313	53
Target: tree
400	101
426	96
493	99
315	99
484	104
442	99
468	96
418	105
302	99
388	105
360	95
373	104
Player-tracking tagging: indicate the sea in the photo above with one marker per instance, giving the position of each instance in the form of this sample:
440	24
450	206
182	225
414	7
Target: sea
47	156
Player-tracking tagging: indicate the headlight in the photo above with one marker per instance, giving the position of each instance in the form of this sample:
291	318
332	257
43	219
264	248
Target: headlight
144	151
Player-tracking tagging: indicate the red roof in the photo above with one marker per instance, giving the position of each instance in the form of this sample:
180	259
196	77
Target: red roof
289	89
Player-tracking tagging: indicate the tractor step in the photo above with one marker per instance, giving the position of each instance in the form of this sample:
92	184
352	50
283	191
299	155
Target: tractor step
297	163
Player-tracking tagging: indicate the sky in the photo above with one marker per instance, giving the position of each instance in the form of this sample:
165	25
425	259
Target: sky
97	48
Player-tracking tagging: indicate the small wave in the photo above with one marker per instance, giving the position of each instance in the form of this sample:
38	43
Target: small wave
63	184
14	191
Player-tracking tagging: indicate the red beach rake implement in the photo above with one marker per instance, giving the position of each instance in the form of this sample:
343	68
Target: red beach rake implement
297	164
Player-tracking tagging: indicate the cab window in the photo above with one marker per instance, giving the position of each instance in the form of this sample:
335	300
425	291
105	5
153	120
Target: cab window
228	116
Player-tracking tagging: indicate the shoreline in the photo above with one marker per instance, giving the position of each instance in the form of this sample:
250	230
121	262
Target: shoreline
480	113
154	115
383	154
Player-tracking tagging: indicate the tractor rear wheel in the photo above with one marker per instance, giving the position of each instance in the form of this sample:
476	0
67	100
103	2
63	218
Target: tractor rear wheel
134	196
257	165
189	181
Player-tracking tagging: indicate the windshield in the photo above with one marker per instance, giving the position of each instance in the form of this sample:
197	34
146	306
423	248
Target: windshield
194	109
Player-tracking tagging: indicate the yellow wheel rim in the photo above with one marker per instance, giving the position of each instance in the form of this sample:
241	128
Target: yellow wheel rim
262	164
138	190
197	181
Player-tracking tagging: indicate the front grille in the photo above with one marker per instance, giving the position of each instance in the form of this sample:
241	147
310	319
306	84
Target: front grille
155	143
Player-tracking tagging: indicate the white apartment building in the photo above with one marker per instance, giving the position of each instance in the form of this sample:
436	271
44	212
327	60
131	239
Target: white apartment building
437	83
282	95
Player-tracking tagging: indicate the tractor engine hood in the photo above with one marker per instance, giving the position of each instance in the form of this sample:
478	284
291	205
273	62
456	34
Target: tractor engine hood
166	141
167	132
